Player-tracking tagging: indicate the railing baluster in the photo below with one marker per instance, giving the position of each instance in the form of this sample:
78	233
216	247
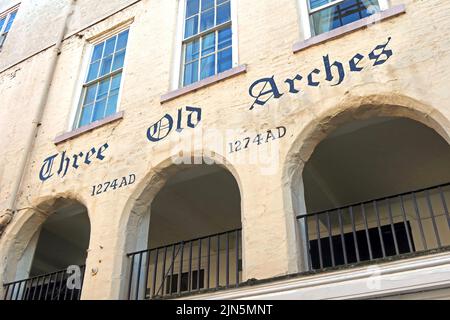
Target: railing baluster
172	267
155	272
130	285
218	262
237	258
330	239
190	277
419	220
341	227
430	208
444	205
319	242
163	274
208	263
405	223
355	240
228	260
380	233
180	275
83	270
199	265
138	284
308	244
369	244
391	222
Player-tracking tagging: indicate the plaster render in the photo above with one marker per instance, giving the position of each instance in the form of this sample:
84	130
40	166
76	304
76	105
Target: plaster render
413	83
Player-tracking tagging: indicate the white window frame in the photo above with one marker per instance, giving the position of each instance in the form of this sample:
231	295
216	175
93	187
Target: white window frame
78	98
305	14
178	63
7	14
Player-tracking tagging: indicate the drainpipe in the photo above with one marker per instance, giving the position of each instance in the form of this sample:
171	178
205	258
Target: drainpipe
7	215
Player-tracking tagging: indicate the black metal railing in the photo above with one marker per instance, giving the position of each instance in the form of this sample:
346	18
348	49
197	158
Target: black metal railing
189	266
51	286
407	223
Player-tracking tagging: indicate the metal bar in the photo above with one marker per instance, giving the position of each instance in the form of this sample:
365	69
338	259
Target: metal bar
34	291
355	241
237	258
319	242
190	277
24	290
419	220
28	294
155	272
163	275
54	285
308	244
208	257
18	290
41	288
172	267
436	231
48	286
60	285
341	227
330	239
131	277
7	291
181	268
199	265
82	281
391	221
405	223
218	262
138	285
227	261
369	244
444	204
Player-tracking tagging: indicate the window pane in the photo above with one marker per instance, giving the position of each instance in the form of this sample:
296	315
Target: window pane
191	27
192	8
208	44
90	94
12	16
192	51
207	4
208	66
190	73
224	60
99	110
98	50
86	113
109	46
221	1
342	14
2	22
224	38
119	59
103	88
122	40
106	66
318	3
223	13
207	20
93	71
112	105
115	84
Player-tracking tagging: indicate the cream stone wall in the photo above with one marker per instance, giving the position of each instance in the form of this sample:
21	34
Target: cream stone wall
412	83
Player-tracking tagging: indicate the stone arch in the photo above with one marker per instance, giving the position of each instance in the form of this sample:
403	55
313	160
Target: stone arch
137	206
349	109
25	228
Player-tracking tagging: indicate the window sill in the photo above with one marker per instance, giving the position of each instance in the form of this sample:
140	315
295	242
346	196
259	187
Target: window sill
94	125
348	28
203	83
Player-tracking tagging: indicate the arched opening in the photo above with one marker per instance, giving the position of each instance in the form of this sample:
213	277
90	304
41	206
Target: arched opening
193	234
52	265
376	188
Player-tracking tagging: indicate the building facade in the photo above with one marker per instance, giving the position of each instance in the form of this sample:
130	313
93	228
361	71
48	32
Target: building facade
212	149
